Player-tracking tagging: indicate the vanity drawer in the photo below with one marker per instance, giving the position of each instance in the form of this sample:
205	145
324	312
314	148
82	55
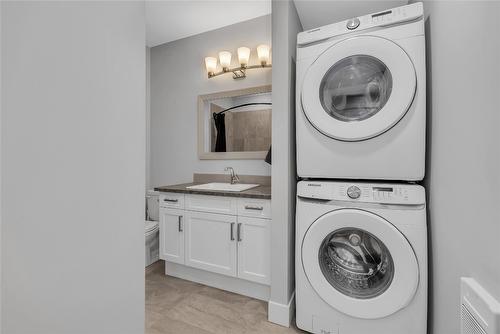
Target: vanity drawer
251	207
214	204
172	200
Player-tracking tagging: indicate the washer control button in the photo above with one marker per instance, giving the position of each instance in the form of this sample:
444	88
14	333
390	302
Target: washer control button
353	192
352	24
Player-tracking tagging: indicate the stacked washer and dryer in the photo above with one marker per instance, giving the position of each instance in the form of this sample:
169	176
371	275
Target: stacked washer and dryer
361	233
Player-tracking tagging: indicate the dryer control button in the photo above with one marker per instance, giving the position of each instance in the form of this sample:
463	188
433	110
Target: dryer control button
352	24
353	192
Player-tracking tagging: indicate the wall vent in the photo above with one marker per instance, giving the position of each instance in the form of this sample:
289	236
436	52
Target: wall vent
480	312
470	325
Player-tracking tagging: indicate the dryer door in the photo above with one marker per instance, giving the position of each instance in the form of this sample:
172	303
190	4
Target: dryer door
359	263
358	88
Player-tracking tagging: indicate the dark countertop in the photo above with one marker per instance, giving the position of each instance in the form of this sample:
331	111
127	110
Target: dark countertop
262	192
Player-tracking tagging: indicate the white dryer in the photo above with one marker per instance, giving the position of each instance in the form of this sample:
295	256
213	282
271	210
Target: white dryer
361	258
361	97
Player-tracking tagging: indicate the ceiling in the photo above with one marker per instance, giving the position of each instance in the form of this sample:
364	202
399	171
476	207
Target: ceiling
314	13
170	20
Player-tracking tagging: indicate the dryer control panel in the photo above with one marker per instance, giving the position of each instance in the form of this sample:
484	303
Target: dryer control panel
385	18
381	193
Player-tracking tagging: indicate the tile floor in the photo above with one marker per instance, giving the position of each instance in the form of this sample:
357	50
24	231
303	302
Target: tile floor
177	306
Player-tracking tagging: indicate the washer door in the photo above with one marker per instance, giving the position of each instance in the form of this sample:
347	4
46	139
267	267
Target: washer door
359	263
358	88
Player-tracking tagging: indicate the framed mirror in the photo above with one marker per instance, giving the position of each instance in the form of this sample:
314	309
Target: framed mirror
235	124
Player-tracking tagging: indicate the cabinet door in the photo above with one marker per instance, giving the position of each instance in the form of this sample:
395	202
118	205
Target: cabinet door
172	235
254	249
211	242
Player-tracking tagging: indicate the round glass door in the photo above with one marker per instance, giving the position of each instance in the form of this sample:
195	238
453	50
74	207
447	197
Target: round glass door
355	88
356	263
358	89
359	263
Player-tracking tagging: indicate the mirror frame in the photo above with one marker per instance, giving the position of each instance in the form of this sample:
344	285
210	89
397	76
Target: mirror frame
202	131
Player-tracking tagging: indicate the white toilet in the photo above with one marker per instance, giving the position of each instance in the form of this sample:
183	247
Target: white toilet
151	227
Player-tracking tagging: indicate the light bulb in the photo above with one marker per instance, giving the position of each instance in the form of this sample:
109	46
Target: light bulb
263	54
243	56
225	60
211	65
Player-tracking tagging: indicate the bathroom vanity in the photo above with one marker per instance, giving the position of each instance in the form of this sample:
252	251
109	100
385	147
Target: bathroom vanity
217	238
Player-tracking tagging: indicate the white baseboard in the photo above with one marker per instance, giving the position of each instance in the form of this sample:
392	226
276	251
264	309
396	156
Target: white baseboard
223	282
281	314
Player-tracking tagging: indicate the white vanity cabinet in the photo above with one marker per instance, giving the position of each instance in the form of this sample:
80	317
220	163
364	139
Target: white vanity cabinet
225	235
254	249
171	227
210	242
171	232
172	201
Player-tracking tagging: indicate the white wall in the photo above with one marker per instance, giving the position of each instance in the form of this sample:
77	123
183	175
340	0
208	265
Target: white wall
73	138
148	118
463	174
1	201
286	25
178	76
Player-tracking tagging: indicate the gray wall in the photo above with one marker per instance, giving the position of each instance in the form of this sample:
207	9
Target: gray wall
463	174
178	76
73	138
148	118
1	201
286	25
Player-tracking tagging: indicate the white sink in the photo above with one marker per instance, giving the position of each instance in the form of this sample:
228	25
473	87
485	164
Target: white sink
223	186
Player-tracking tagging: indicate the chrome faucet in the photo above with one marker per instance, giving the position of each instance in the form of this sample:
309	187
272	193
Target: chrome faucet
234	177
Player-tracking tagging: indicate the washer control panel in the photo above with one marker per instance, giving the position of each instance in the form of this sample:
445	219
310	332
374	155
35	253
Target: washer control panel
381	193
392	16
389	193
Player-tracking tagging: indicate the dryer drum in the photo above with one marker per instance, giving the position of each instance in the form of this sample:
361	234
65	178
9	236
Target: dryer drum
355	88
356	263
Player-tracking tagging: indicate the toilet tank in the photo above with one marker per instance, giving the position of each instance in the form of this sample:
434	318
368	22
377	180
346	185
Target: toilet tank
152	205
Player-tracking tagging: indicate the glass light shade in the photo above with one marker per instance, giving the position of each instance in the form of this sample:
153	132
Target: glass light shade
211	64
243	56
225	59
263	54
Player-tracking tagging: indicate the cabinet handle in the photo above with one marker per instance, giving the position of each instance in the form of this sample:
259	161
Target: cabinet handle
180	224
170	200
258	208
231	235
238	232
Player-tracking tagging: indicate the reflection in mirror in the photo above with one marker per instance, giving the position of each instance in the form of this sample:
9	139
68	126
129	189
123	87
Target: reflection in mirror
237	124
241	123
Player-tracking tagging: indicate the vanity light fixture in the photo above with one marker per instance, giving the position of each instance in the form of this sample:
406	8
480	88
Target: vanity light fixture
263	52
243	56
211	65
225	60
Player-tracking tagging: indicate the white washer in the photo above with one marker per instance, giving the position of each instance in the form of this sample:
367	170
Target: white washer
361	97
361	258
